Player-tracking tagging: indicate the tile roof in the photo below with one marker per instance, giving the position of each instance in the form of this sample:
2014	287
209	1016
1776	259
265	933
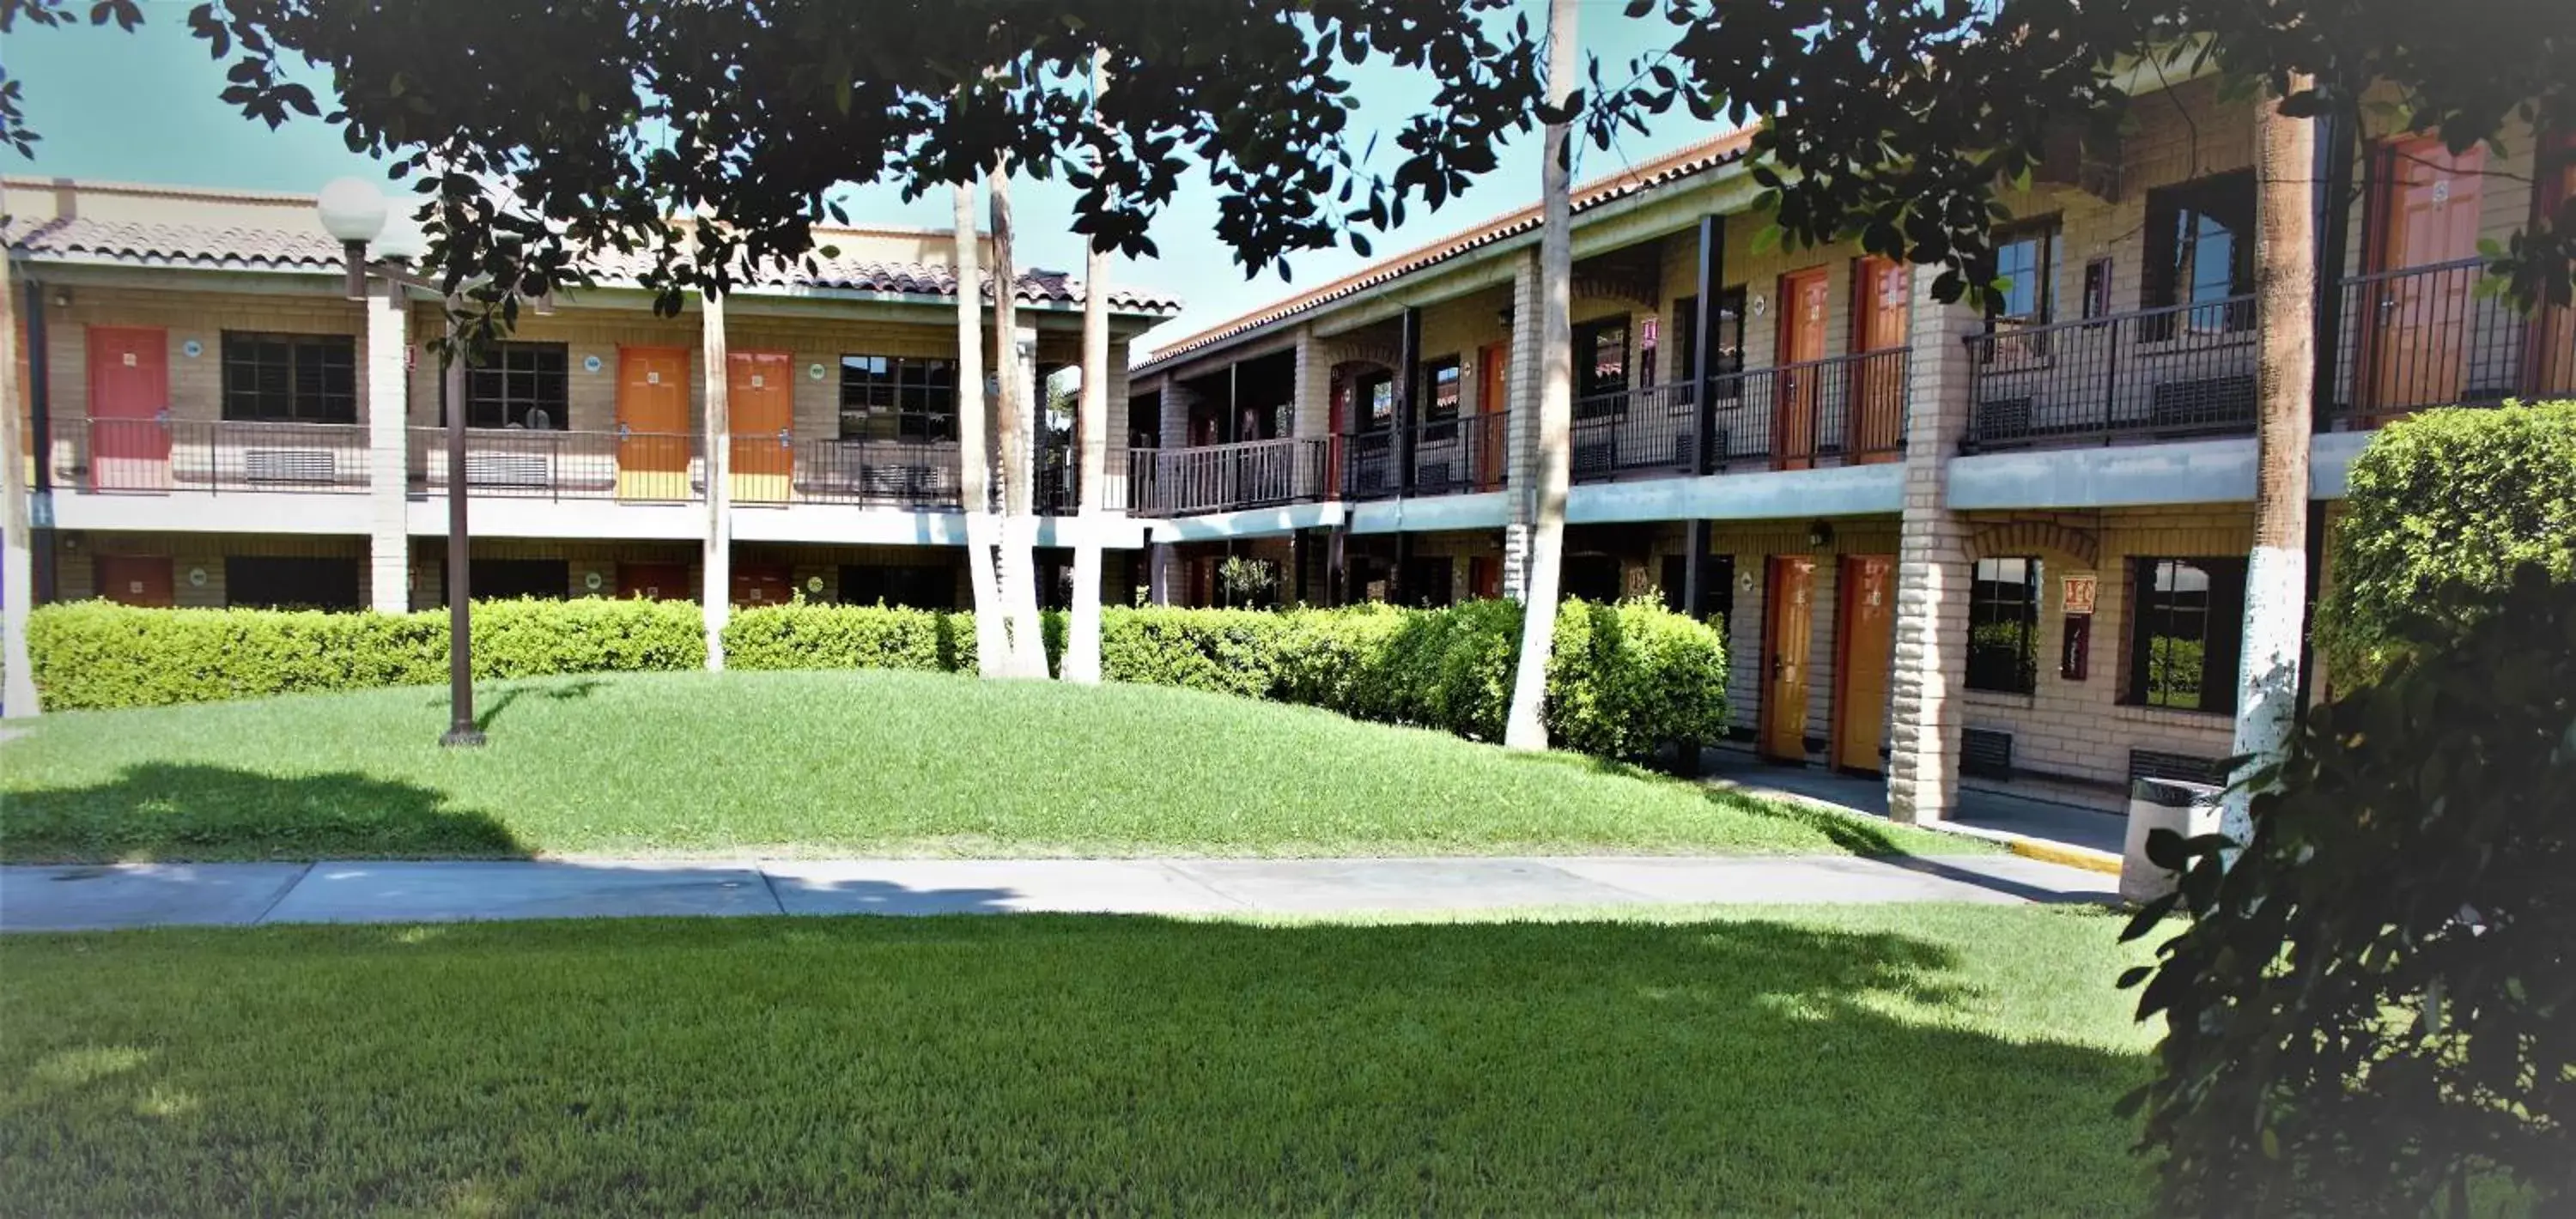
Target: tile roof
245	248
1685	162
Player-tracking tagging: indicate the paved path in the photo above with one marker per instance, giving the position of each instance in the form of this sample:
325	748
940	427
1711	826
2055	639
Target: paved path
34	898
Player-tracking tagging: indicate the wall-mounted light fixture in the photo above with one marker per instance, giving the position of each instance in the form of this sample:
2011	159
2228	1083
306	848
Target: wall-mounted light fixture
1820	535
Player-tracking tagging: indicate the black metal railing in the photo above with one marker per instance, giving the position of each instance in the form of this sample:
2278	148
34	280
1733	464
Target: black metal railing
2425	336
534	463
160	455
881	473
1456	456
1058	487
1225	477
1632	431
1365	465
2177	371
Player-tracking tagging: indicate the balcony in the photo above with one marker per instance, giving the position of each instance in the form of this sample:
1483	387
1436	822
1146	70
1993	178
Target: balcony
1225	477
161	455
1843	410
2406	340
1448	457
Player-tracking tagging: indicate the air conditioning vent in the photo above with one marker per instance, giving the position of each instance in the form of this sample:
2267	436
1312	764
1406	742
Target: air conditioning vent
2205	402
506	470
2002	419
1985	753
300	466
2152	764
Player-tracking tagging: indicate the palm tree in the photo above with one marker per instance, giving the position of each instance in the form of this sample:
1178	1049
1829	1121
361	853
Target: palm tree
1014	428
974	455
2276	575
1091	444
1524	729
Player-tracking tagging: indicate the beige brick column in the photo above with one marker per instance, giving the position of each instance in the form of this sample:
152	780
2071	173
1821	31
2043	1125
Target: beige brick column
1932	571
1177	400
388	399
1520	433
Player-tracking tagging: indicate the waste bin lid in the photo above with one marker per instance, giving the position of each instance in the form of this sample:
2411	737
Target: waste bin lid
2175	793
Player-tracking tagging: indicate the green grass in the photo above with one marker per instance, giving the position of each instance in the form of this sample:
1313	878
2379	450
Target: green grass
1920	1060
839	763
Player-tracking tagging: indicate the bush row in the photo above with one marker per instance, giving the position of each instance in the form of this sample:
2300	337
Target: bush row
1625	678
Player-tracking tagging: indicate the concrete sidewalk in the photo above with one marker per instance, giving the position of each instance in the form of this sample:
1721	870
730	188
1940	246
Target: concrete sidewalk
62	898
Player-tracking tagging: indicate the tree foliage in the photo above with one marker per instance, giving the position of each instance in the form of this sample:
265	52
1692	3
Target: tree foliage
2374	1010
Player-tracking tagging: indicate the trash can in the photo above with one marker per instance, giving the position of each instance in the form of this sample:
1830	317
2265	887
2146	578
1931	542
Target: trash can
2188	809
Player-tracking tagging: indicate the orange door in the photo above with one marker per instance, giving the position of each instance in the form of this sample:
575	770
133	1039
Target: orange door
653	581
1802	338
1864	642
2553	363
2429	215
1879	315
129	403
135	579
763	584
653	423
1789	617
759	401
1493	376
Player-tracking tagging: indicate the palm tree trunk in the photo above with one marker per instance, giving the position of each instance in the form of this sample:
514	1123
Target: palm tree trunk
974	452
17	554
717	558
1091	441
1016	430
2276	576
1524	729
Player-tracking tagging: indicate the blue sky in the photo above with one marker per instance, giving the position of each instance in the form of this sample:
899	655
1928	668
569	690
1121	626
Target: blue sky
141	108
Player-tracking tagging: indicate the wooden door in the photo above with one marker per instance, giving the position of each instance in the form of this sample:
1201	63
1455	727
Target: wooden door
1876	426
1485	578
1493	379
653	581
1864	648
129	409
1789	617
135	580
2553	332
757	584
2428	216
760	406
1803	305
653	423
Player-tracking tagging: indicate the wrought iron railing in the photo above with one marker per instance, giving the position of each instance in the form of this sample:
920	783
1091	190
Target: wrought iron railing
1456	456
1633	431
2426	336
1365	465
1225	477
884	473
1841	409
545	464
2178	371
161	455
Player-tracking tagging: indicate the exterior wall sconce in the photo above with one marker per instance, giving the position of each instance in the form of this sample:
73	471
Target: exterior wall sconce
1820	535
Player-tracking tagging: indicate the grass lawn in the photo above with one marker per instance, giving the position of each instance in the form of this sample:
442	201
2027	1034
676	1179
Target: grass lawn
1920	1060
838	763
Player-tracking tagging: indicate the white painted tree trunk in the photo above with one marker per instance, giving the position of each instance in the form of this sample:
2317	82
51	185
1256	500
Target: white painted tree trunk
1525	728
1091	441
974	450
2276	577
18	698
717	559
1015	426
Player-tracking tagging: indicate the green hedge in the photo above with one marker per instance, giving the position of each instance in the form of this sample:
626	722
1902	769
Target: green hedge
1626	678
2442	505
96	654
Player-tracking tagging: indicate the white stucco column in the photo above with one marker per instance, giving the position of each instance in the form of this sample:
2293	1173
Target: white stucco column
1932	570
388	399
1520	432
716	564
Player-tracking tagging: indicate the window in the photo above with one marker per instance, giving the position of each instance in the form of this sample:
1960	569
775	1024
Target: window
2003	626
290	378
2097	288
502	579
1717	587
2200	252
2025	258
520	385
1600	368
898	398
912	586
1377	402
1650	330
2185	633
1442	403
263	582
1726	335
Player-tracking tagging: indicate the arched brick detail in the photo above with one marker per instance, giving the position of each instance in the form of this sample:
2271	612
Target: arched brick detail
2036	537
1383	355
1613	287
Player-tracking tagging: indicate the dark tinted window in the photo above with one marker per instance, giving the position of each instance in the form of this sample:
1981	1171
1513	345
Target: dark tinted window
265	582
298	378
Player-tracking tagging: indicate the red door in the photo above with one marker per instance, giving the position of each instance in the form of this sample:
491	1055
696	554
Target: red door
1493	375
1803	303
129	405
135	579
763	584
653	581
1877	386
2428	216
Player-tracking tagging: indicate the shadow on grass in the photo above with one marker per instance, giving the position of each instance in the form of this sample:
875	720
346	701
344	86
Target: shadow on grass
1068	1064
489	703
165	811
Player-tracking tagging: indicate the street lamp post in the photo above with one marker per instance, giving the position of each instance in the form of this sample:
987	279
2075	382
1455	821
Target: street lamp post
354	212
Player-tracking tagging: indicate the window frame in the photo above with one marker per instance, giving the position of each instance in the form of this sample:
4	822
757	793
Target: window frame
302	351
510	407
2221	621
1989	607
1587	366
1366	419
2163	285
1432	409
922	420
2047	232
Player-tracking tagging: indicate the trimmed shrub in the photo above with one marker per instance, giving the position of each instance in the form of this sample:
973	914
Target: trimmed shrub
2444	505
1626	678
810	636
97	654
1227	651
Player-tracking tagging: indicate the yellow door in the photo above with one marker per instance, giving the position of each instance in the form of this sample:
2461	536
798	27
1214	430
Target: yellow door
653	423
761	405
1864	642
2431	214
1789	618
1803	299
